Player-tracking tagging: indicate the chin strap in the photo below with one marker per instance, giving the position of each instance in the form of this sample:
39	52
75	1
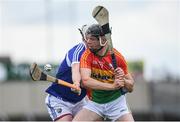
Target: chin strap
95	51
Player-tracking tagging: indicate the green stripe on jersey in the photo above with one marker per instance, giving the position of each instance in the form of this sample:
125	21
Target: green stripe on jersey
102	96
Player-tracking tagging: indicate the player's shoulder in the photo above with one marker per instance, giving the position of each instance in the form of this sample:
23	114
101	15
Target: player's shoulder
77	48
79	45
87	53
116	51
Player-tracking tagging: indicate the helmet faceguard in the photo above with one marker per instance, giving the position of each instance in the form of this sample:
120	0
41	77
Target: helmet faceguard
96	31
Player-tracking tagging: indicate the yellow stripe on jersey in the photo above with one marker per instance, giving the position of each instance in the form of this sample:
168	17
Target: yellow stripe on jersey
101	75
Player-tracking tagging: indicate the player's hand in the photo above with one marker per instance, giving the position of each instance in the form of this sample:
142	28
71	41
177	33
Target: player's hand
77	84
119	73
119	78
118	83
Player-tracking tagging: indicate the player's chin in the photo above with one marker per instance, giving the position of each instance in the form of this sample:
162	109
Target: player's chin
90	47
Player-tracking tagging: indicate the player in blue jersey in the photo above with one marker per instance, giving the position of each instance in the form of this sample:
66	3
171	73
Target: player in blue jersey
62	102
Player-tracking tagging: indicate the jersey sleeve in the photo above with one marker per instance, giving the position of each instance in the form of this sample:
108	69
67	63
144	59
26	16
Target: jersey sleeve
86	59
121	62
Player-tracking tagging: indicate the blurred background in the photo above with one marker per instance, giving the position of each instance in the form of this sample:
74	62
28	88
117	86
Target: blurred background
146	32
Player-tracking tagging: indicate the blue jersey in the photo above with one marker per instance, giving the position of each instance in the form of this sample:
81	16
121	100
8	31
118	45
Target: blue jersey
64	73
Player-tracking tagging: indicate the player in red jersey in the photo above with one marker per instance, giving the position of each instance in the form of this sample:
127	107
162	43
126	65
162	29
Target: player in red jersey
103	81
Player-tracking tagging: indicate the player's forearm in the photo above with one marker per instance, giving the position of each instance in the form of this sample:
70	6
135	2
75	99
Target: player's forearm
76	77
94	84
129	83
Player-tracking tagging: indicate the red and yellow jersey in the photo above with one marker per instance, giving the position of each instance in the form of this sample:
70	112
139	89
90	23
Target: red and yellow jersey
103	71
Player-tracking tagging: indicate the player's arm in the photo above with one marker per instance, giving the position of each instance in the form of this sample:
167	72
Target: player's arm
122	72
128	82
74	57
125	78
94	84
76	77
